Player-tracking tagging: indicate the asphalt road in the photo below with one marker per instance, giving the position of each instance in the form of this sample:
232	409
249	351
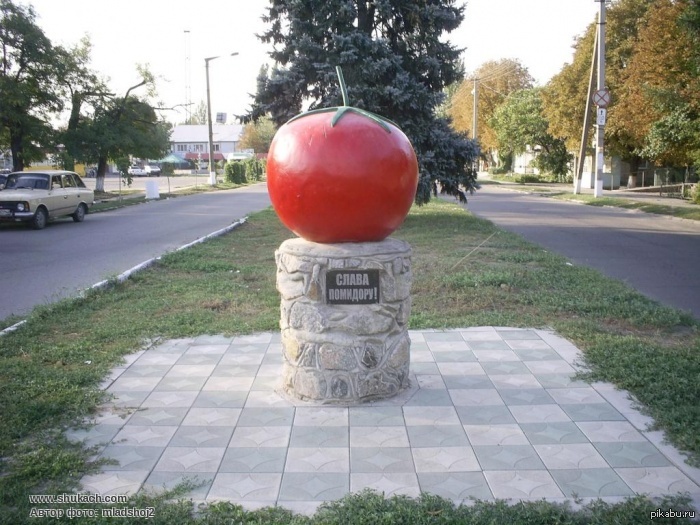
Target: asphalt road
658	256
40	267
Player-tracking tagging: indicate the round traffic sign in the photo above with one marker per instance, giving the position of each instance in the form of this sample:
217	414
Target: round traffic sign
601	98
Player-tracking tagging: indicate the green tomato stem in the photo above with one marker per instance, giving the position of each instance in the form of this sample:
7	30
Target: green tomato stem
343	87
346	108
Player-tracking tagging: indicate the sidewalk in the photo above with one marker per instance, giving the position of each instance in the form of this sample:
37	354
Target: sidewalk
492	413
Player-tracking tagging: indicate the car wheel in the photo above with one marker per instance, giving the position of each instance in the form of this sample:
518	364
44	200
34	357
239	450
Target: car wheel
40	219
79	213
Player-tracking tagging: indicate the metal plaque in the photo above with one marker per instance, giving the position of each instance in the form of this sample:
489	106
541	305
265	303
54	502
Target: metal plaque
352	286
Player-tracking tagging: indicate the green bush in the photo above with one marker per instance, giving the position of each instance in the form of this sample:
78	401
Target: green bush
254	169
236	172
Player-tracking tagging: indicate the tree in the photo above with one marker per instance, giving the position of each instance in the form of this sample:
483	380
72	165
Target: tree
395	63
121	127
258	135
27	84
564	97
200	114
659	106
82	86
519	123
495	81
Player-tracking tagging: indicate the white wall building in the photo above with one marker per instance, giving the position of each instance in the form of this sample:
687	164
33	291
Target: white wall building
192	141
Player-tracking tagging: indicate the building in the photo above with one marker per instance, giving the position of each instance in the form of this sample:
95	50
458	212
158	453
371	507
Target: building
192	141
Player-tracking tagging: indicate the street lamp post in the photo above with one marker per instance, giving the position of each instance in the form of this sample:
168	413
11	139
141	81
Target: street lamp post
212	165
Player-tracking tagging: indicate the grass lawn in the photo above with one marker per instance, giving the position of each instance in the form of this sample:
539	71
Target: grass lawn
466	273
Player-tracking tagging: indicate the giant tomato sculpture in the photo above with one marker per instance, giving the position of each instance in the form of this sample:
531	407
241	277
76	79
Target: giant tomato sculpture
341	175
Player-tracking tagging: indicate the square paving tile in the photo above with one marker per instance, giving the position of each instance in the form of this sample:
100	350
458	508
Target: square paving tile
468	382
266	416
321	416
129	457
554	366
391	436
632	454
437	436
430	381
190	459
475	397
381	459
485	415
430	416
245	486
201	436
494	368
508	457
260	437
388	483
158	416
254	459
314	486
158	482
520	484
570	456
460	369
456	486
514	381
95	435
526	396
445	459
430	397
318	459
178	384
454	356
145	436
214	416
321	436
500	435
610	431
553	433
538	413
376	416
115	482
592	412
214	399
595	483
170	399
657	480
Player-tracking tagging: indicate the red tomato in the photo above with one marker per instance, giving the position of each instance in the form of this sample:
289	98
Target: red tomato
351	182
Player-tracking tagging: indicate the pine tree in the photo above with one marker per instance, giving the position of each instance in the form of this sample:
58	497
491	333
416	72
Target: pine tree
394	63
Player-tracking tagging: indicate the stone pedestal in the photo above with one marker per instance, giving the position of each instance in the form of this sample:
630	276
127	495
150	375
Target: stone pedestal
344	315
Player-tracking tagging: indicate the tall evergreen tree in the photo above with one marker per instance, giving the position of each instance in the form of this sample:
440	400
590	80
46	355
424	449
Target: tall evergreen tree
394	63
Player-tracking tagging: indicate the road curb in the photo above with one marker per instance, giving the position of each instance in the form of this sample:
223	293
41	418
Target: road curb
139	267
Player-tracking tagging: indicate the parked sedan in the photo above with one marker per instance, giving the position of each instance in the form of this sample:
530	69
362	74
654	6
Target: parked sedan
36	197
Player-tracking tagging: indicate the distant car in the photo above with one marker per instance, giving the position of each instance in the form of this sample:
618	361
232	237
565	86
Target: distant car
36	197
152	170
3	180
136	171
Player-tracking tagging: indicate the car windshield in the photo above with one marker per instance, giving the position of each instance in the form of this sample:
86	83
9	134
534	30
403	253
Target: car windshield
18	181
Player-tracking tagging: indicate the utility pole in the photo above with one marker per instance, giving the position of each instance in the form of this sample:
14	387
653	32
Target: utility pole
602	112
475	92
586	119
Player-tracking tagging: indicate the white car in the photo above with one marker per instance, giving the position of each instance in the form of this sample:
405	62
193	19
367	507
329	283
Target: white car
152	170
136	171
36	197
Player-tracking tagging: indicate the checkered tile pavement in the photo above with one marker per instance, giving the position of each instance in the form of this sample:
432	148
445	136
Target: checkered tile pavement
492	413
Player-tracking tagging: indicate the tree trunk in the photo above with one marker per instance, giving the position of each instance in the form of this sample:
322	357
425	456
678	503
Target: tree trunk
16	149
101	170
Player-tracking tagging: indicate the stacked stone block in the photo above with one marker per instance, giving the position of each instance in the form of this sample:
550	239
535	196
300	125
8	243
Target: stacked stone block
344	353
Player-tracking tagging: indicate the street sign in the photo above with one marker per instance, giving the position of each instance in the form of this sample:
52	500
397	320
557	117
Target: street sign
602	114
601	98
